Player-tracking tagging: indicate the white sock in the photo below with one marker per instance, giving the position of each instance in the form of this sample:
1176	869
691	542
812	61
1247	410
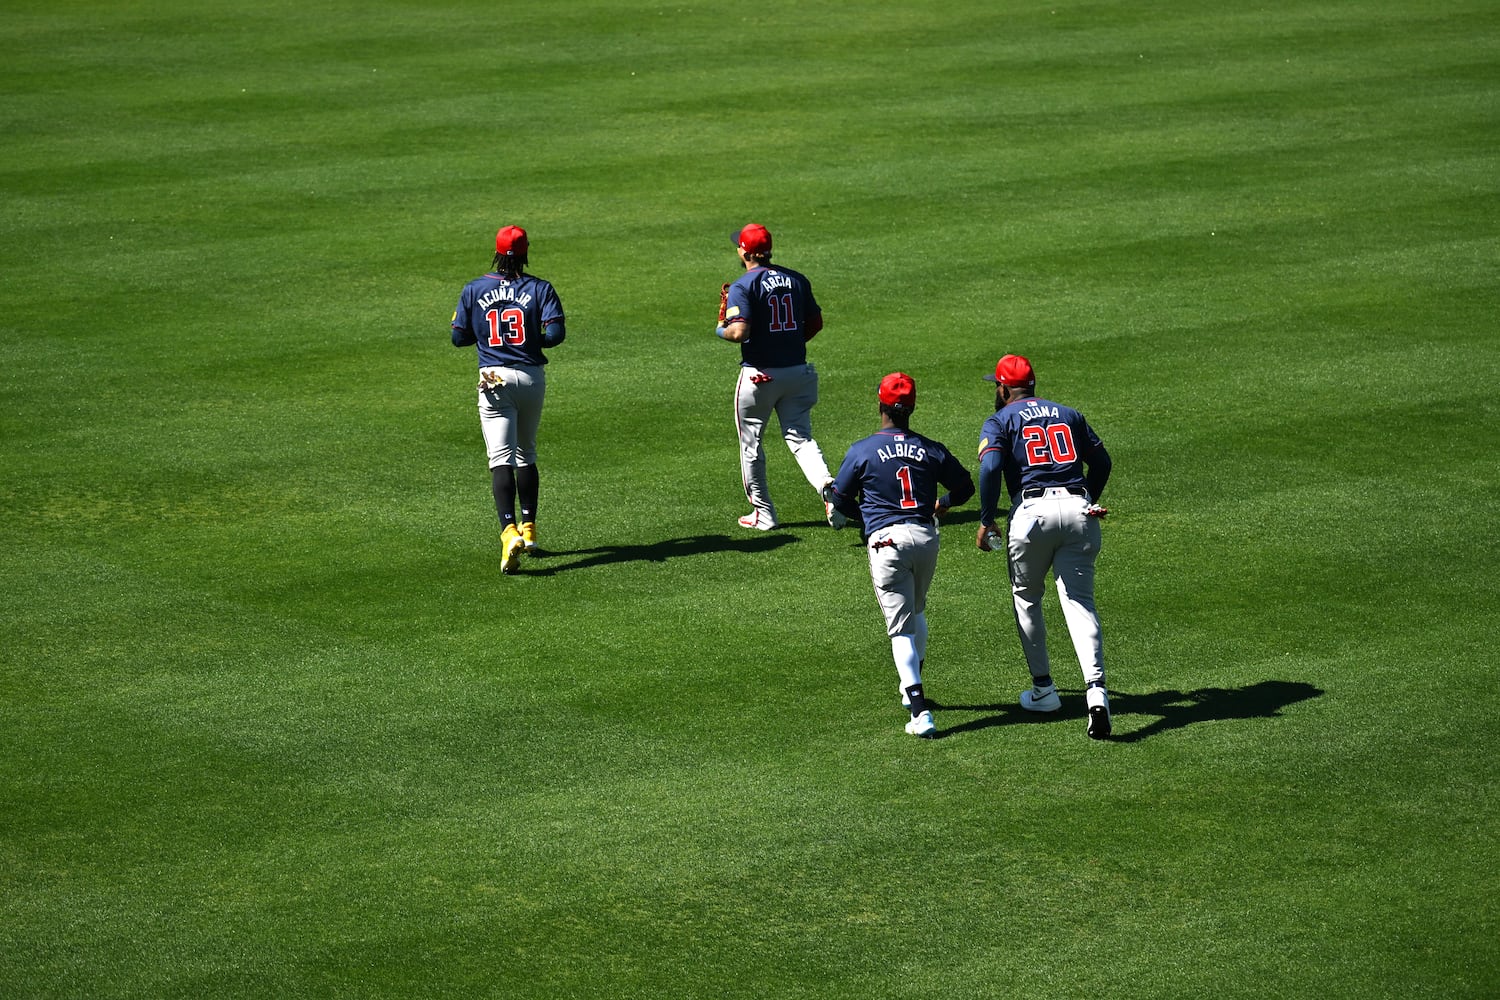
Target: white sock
908	663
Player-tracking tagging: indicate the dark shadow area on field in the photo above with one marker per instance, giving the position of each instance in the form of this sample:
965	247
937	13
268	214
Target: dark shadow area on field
670	548
1176	709
1173	709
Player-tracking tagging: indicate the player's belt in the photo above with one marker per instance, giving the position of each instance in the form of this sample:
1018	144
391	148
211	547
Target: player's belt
1032	492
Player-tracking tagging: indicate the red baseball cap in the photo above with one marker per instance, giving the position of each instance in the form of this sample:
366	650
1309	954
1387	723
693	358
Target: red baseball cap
1012	370
897	389
754	238
512	240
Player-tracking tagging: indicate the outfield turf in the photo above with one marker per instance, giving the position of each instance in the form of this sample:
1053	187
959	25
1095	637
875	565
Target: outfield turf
272	723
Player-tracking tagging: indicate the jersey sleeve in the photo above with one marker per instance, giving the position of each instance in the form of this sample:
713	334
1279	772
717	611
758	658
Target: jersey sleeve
737	305
462	334
846	485
552	309
991	470
954	475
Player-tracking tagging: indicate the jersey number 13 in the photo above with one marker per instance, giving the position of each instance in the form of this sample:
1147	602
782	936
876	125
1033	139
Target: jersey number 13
514	322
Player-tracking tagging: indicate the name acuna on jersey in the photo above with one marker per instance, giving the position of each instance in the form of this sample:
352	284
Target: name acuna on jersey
503	293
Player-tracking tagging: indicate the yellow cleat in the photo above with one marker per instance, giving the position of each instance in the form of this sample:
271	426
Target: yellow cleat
511	544
528	536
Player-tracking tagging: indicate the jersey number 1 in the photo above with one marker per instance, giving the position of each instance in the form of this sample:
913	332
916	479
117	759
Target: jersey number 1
515	327
908	499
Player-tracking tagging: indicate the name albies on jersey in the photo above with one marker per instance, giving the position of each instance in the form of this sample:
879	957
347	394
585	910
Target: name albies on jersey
893	476
778	304
1040	443
507	318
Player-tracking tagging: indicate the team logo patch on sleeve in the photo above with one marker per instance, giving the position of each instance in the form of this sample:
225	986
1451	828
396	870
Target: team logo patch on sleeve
731	312
983	444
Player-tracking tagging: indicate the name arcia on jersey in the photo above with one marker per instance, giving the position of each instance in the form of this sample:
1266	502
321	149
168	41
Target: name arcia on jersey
901	449
775	279
503	293
1031	411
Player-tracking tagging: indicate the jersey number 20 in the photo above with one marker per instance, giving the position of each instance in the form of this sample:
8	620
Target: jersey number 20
1050	445
514	321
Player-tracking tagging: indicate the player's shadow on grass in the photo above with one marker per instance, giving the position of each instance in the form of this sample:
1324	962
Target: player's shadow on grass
1172	709
670	548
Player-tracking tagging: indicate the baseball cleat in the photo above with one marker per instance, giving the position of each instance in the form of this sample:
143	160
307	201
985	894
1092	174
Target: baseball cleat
1099	721
757	521
1041	699
528	536
512	545
922	725
1099	724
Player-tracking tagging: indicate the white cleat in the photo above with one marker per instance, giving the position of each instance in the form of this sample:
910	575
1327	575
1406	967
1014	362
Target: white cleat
757	521
1041	699
922	725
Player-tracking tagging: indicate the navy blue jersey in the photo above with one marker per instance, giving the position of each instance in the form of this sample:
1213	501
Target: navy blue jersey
893	475
778	304
1041	443
506	318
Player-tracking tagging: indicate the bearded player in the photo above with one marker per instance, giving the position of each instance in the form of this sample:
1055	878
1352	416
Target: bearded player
1053	467
891	480
510	316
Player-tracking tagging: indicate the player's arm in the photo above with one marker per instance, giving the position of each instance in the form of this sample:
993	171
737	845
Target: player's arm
813	326
1098	467
462	335
735	326
991	484
554	328
735	332
959	482
554	332
844	491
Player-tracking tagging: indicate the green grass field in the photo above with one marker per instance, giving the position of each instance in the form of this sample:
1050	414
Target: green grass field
272	723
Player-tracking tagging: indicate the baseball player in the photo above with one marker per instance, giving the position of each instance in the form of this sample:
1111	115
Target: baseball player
511	315
1053	467
771	313
891	480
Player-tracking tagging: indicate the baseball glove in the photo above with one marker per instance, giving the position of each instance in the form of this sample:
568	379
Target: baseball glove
723	303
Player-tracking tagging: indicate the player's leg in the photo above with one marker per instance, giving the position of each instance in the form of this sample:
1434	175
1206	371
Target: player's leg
530	390
497	420
923	556
895	590
794	413
503	486
752	407
1029	547
1073	566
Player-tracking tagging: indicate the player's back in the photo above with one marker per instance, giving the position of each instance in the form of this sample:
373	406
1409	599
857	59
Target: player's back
1043	443
506	316
898	474
778	304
